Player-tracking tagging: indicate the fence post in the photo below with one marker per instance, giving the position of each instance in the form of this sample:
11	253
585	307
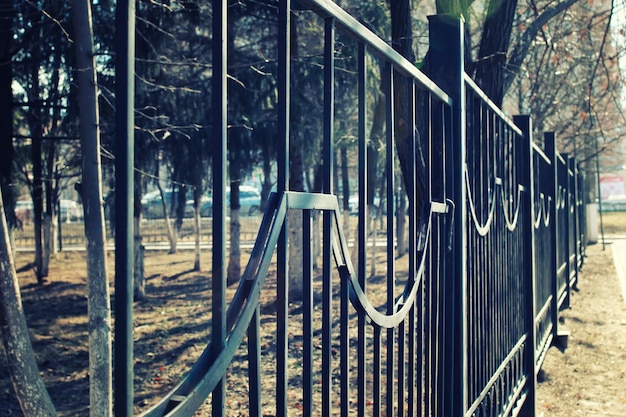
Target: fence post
447	70
573	182
524	122
282	261
124	185
582	214
564	234
219	131
550	143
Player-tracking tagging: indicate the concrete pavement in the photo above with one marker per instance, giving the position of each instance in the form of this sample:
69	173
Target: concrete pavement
618	246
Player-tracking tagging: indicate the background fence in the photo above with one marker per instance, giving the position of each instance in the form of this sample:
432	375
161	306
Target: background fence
458	326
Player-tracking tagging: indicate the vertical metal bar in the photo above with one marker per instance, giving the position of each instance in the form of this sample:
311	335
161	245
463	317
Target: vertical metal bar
413	237
345	347
377	373
254	364
124	186
599	192
282	266
327	324
328	152
401	375
363	217
413	363
284	69
430	318
571	224
574	225
583	213
218	327
440	347
60	222
344	326
561	225
329	103
525	124
307	317
565	232
282	302
391	275
550	147
447	52
436	192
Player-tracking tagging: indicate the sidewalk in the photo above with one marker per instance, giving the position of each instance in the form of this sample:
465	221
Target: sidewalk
618	248
589	378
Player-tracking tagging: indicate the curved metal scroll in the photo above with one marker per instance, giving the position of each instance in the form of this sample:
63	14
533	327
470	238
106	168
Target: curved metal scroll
211	367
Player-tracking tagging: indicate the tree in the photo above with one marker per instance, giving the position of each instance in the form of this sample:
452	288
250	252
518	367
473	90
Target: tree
172	91
99	310
27	383
511	35
42	159
248	93
578	60
6	107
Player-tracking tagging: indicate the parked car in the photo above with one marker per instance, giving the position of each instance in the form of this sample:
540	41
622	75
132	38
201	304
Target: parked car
70	211
353	203
24	211
152	206
249	201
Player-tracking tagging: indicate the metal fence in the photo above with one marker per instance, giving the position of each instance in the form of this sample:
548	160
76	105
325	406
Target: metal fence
559	224
460	329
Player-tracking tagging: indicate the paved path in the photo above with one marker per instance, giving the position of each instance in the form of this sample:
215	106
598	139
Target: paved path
618	246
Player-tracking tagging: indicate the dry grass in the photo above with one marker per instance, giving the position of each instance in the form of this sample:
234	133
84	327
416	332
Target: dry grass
614	222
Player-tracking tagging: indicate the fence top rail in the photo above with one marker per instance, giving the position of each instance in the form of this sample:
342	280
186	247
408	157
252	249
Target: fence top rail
541	153
353	28
492	106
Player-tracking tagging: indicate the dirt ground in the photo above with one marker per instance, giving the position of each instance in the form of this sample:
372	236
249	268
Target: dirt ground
171	329
589	377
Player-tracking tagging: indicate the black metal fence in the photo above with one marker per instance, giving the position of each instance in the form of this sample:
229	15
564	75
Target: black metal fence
461	326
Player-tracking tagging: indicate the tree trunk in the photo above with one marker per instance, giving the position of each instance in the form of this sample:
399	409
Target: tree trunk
316	237
373	179
48	243
375	143
139	287
296	177
402	41
27	383
99	310
37	199
234	260
345	195
51	188
496	37
402	246
51	199
171	233
138	248
6	109
377	222
296	286
266	184
197	224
